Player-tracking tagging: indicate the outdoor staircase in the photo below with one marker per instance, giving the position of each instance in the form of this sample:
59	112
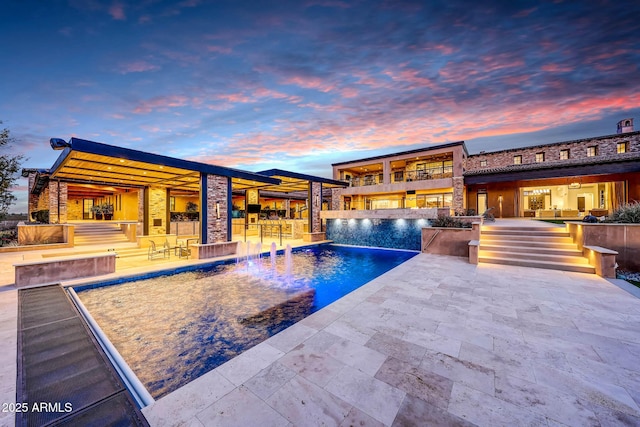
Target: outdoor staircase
550	248
98	233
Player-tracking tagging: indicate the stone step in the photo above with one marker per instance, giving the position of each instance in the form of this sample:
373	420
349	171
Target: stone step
576	259
524	233
527	240
564	266
545	229
542	249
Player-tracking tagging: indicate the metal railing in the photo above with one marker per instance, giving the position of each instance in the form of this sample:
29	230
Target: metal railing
402	176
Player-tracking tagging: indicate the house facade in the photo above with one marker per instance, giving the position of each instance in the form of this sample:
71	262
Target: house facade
425	178
566	179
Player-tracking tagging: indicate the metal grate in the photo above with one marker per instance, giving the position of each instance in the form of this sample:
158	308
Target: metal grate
62	370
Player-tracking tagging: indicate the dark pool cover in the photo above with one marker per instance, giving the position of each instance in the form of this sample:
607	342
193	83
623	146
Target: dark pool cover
64	378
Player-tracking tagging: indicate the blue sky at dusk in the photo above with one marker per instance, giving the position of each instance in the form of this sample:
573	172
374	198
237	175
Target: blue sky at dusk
299	85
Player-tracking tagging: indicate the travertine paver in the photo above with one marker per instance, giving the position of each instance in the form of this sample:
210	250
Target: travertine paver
436	341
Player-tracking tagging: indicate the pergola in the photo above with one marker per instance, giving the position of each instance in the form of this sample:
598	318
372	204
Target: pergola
92	169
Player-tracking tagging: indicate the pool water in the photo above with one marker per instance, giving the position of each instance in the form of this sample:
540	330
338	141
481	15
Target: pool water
174	328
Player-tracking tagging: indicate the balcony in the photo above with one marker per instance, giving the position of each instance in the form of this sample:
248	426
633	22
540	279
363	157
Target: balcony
402	176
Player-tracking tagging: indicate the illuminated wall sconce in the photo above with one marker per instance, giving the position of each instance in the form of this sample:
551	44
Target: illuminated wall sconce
575	185
218	210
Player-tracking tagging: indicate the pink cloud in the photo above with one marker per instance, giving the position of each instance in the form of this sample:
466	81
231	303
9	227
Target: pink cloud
556	68
162	103
137	67
116	10
309	83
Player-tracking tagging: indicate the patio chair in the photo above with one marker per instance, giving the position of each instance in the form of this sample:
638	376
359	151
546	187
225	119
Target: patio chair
154	252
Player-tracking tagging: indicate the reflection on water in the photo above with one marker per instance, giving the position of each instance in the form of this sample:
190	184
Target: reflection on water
172	329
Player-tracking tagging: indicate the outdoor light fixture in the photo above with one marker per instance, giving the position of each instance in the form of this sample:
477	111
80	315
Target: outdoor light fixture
59	143
218	210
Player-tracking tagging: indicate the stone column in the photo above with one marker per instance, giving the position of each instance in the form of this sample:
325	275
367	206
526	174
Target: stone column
336	199
53	202
33	198
315	206
142	219
458	193
57	202
157	211
217	211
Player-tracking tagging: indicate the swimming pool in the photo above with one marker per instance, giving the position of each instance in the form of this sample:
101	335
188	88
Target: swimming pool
174	328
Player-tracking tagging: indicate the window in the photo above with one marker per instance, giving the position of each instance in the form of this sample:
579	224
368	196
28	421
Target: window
621	147
564	154
517	160
539	157
483	163
592	151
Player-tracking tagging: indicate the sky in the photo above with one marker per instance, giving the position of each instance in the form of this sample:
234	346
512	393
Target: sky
299	85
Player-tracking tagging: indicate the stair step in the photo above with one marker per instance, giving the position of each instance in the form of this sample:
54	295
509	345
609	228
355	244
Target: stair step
564	266
533	256
541	233
526	243
526	239
517	229
548	249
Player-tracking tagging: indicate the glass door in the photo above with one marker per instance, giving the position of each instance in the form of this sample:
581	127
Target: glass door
87	211
482	203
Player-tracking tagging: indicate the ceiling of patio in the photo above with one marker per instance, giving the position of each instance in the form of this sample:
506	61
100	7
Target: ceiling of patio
103	170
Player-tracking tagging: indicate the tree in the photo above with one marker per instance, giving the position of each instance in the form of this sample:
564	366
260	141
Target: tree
9	167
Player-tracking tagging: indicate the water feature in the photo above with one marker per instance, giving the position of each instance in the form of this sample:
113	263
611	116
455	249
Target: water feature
273	252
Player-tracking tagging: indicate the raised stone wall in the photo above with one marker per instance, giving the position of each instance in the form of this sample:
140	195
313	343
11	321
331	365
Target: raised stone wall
607	147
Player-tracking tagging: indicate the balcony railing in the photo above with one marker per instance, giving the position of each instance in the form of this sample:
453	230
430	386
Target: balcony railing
403	176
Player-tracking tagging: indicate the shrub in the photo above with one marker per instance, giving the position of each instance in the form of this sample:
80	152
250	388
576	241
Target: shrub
626	214
450	222
41	216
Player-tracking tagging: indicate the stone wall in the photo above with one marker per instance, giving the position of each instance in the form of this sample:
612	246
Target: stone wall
607	147
157	210
316	204
57	202
217	189
458	194
141	218
74	209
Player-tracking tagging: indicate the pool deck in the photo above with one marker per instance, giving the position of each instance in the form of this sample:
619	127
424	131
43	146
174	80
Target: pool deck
435	341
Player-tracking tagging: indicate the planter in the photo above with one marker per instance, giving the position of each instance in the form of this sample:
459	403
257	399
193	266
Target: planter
97	216
622	238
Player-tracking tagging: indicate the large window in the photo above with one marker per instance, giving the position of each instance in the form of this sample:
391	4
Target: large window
434	170
443	200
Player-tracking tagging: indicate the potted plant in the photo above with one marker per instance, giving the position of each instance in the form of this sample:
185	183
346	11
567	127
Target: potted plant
107	211
97	211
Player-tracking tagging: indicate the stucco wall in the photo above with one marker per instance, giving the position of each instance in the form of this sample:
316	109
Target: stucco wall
622	238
